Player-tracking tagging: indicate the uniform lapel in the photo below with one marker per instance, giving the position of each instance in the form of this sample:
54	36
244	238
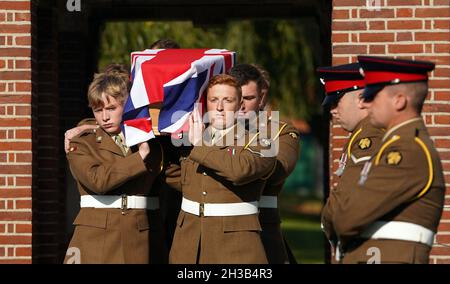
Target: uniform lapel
106	142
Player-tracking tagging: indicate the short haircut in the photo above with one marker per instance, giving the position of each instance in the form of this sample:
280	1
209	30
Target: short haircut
109	84
246	73
120	70
224	79
416	91
265	75
164	43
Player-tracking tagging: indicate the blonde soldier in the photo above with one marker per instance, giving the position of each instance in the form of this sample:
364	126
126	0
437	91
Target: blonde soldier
118	205
393	214
221	185
343	86
254	82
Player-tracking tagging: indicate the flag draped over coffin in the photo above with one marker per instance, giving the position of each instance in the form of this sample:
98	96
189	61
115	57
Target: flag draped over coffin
174	79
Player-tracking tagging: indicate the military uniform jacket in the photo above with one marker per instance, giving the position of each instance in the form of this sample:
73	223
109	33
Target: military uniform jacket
361	145
221	174
402	182
287	138
105	235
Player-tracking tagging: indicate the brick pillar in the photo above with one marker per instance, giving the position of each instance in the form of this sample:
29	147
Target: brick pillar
16	145
416	29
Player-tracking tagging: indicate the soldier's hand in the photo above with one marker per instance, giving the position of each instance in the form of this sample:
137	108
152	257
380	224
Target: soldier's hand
196	128
74	132
144	150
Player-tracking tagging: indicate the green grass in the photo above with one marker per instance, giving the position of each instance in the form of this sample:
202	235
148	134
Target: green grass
301	228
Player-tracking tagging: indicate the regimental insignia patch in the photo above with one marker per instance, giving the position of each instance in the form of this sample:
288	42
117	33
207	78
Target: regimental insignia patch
394	158
365	143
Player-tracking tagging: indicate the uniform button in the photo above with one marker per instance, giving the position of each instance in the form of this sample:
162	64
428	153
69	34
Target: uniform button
204	192
205	174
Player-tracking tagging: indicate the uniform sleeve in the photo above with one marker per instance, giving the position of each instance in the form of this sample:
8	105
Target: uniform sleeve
287	152
87	121
239	165
400	175
326	217
173	176
101	177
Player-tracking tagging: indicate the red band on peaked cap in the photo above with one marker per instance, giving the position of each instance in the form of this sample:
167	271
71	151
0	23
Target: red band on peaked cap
333	86
377	77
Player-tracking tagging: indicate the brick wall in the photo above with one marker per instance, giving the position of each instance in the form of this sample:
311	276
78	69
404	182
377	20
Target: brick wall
16	146
417	29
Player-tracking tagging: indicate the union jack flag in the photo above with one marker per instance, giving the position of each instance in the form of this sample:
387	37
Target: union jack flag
174	80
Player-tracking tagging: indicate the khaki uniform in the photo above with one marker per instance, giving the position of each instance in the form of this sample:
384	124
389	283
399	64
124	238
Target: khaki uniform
288	151
221	174
110	235
362	144
402	182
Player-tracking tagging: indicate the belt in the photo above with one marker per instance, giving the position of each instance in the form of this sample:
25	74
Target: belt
267	201
396	230
219	209
119	201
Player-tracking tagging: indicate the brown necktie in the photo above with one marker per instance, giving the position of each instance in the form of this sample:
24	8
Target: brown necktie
119	141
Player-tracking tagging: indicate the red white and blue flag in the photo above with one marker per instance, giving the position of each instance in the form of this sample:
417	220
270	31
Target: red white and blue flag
175	80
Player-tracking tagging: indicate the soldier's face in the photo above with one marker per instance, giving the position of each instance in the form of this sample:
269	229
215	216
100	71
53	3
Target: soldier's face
347	112
109	115
222	105
251	99
381	108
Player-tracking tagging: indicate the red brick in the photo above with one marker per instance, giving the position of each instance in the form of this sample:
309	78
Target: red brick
23	110
335	38
354	37
23	181
14	51
24	157
404	13
377	49
10	227
23	64
439	131
16	75
354	14
382	13
23	251
404	25
11	122
15	261
23	204
10	17
23	228
405	48
442	47
404	2
442	143
11	157
442	119
341	14
340	60
23	40
438	59
349	26
441	3
435	83
432	12
19	17
376	37
2	207
404	36
15	240
23	87
2	17
442	72
442	95
341	3
14	5
15	216
23	134
2	64
432	36
14	193
15	169
441	251
11	28
377	25
441	24
9	110
2	251
350	49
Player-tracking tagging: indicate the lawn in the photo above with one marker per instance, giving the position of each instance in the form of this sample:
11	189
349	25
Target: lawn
301	227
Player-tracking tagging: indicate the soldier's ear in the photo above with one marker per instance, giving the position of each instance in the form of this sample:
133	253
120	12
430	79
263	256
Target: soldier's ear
400	101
